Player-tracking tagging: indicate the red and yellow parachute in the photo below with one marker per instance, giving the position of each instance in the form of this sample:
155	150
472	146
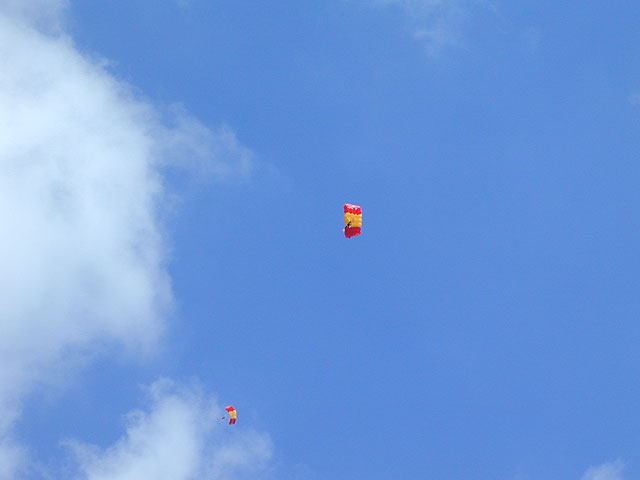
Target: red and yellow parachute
233	415
352	220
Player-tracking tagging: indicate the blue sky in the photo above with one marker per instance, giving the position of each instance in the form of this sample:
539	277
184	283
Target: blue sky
173	175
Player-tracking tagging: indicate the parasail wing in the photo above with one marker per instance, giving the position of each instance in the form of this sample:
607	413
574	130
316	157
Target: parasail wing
233	414
352	220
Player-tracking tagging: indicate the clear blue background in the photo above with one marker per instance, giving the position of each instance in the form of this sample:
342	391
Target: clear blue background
486	323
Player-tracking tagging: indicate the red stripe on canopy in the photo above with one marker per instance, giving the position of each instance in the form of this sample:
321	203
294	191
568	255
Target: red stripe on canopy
352	231
350	208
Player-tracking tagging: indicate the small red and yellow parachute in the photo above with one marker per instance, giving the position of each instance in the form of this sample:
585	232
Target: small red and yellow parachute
352	220
233	415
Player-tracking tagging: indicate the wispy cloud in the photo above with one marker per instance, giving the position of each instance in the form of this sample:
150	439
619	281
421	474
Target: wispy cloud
183	3
205	152
444	25
180	436
82	251
45	14
606	471
438	24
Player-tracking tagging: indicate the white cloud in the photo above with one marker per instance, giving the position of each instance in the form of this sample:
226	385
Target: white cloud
180	437
83	259
82	252
606	471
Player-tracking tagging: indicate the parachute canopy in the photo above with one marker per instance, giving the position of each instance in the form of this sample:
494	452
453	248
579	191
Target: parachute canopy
233	415
352	220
